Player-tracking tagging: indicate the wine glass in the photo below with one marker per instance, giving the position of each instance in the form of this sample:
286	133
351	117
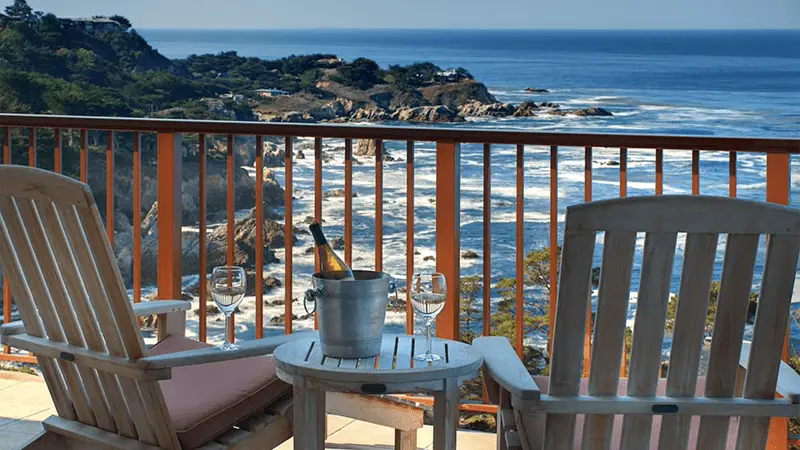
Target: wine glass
228	286
428	294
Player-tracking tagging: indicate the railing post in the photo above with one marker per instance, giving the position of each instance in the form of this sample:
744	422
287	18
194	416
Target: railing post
169	159
448	236
778	186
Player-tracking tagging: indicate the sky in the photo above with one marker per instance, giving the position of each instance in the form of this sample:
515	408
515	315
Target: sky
508	14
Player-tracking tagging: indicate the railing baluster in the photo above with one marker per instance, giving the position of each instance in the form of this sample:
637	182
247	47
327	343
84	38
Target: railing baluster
520	229
695	172
409	233
110	187
623	172
260	238
6	287
553	239
201	238
136	218
230	222
57	156
287	231
168	172
317	198
83	171
317	205
348	202
732	174
448	234
659	171
378	205
778	189
487	238
587	197
32	147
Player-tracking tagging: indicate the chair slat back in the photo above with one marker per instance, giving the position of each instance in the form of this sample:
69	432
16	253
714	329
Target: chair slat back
703	219
651	312
68	288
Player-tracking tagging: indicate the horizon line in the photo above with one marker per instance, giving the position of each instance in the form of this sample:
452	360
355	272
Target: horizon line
462	29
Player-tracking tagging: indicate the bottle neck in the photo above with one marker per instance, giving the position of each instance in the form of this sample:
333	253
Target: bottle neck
319	237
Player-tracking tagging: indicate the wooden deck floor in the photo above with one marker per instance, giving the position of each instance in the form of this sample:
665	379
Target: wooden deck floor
25	402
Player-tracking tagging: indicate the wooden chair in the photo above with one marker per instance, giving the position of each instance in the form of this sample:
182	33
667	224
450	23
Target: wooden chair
718	411
108	390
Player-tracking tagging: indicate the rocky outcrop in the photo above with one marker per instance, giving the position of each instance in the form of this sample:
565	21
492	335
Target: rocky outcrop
273	156
478	109
334	110
536	90
594	111
336	193
427	114
453	95
370	113
292	117
526	109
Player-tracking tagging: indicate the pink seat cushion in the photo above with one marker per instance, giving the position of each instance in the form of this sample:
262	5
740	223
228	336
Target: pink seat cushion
542	383
206	400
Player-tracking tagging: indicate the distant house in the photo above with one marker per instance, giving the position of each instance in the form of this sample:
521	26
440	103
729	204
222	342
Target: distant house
270	92
449	76
101	24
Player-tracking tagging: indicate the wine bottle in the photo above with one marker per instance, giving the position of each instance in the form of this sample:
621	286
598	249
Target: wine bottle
329	262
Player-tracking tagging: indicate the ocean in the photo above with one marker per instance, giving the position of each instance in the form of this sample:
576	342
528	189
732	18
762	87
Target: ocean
702	83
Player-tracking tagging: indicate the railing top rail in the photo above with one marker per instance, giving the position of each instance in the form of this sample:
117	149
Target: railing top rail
405	133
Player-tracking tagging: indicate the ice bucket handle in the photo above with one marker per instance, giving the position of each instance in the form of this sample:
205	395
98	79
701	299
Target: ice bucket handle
311	297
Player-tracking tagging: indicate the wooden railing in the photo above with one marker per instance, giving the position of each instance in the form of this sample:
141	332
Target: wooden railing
448	142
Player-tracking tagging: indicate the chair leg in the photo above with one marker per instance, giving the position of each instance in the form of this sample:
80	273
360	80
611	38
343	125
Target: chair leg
405	439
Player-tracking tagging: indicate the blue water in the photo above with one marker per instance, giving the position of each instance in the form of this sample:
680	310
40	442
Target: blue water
705	83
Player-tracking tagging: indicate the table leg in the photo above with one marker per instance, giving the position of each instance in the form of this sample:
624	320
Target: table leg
445	416
309	416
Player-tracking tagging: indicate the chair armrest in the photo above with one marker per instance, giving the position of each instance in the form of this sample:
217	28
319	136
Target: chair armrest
207	355
505	368
160	307
10	329
788	380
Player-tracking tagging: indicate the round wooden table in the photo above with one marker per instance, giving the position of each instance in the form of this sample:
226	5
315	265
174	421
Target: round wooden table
393	371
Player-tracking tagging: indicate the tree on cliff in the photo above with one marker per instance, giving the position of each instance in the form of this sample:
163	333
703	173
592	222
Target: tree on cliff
20	11
122	20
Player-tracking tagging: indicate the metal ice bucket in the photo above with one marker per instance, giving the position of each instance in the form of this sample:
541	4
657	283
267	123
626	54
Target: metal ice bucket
350	312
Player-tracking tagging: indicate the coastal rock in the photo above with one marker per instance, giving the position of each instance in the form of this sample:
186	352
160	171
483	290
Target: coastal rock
300	155
477	109
334	110
593	111
337	242
365	147
293	117
526	109
370	113
469	254
536	90
427	114
453	95
336	193
549	105
273	156
408	99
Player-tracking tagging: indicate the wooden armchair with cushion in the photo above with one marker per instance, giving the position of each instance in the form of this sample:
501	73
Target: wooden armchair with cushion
731	406
108	390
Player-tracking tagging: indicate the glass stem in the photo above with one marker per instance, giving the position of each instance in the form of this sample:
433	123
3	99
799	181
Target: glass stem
428	335
227	328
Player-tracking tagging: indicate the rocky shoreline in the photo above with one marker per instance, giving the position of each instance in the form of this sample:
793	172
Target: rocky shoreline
440	103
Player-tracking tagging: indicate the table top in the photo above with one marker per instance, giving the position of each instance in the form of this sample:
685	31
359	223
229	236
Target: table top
394	364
